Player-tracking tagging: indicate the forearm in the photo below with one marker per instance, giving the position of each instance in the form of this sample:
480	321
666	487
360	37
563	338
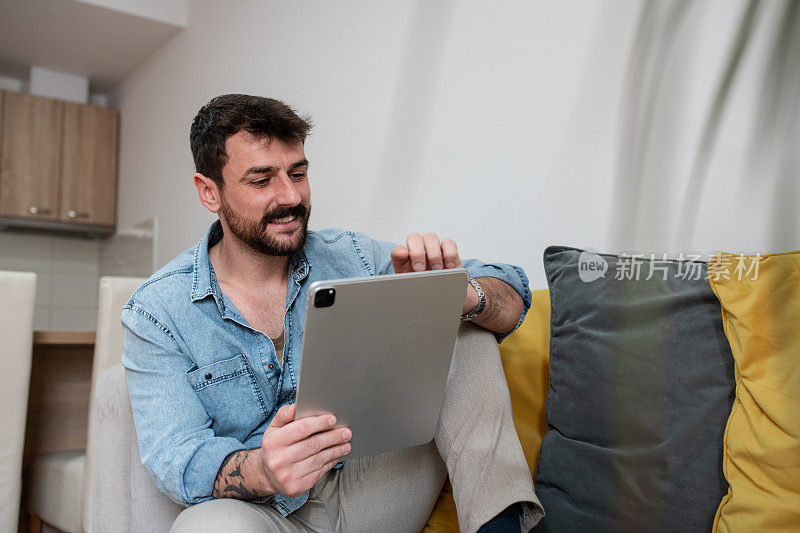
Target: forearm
504	306
242	477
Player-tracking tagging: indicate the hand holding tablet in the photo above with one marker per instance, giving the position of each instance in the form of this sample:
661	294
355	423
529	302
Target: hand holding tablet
296	453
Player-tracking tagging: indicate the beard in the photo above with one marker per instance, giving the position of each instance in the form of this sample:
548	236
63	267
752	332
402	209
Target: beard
256	236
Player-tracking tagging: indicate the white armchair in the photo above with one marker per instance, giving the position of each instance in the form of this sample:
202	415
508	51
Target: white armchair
16	331
60	490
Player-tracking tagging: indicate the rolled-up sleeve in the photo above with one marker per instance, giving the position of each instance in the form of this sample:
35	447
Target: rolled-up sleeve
512	275
177	445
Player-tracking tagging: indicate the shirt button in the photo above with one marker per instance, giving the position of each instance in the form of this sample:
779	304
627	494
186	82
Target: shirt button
271	366
208	375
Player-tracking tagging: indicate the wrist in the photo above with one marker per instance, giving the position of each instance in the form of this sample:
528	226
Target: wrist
471	301
259	472
477	305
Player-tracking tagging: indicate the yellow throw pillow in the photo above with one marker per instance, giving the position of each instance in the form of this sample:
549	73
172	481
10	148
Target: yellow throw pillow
525	354
760	297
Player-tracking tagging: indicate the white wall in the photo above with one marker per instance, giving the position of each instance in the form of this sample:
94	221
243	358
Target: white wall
498	124
171	12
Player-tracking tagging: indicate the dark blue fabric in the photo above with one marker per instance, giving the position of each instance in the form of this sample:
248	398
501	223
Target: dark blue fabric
641	387
505	522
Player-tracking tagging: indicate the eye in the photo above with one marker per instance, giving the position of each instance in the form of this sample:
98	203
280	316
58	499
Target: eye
260	182
299	176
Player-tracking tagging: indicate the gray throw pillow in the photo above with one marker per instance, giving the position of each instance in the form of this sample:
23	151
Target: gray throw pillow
641	387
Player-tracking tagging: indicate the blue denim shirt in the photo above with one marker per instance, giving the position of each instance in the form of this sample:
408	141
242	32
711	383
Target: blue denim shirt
203	383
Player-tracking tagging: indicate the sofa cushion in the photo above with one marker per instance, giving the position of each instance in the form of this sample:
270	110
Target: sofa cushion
761	306
524	354
641	383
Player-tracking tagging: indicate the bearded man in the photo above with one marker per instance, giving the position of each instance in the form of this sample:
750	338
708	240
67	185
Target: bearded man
212	354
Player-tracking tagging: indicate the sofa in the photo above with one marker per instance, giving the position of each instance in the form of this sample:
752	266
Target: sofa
656	394
670	402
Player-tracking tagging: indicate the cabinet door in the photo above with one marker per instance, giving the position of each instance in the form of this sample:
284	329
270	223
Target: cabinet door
89	165
29	159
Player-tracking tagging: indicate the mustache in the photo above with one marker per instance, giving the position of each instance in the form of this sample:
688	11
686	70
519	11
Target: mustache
298	210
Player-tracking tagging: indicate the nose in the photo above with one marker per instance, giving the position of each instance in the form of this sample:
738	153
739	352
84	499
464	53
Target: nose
287	193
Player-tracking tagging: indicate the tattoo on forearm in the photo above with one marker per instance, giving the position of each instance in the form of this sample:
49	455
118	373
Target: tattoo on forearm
231	482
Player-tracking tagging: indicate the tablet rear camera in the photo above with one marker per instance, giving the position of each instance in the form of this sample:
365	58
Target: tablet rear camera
324	297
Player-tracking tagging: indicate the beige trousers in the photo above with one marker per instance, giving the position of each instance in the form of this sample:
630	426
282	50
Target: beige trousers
475	443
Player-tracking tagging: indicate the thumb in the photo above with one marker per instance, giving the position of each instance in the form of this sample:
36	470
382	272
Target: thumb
284	416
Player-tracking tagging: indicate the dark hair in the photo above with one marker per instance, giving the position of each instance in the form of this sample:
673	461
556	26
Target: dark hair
229	114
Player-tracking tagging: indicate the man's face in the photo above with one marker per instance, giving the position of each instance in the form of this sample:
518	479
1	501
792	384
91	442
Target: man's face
266	201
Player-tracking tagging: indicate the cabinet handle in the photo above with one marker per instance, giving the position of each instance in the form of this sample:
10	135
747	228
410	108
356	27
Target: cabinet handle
33	210
76	214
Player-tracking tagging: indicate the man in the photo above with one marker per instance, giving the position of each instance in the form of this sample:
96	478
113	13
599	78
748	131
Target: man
212	346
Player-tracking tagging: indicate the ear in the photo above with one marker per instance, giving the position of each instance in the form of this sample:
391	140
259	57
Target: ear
208	191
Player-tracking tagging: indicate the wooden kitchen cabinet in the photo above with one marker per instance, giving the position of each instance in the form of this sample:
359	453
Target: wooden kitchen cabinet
58	164
89	165
29	160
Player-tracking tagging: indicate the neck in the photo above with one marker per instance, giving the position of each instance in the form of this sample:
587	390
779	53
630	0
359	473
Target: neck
235	262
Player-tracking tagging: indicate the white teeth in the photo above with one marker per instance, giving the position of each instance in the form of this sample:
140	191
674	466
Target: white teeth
284	220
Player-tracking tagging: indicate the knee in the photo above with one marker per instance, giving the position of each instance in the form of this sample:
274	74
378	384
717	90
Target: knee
477	345
476	384
219	515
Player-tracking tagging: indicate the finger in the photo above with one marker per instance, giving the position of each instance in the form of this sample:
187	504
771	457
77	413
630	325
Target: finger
318	442
302	429
401	259
416	249
284	416
433	249
450	254
311	479
320	460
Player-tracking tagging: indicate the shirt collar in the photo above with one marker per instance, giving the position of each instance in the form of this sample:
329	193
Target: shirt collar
299	265
205	282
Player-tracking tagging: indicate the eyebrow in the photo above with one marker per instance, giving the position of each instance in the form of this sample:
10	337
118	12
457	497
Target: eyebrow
268	169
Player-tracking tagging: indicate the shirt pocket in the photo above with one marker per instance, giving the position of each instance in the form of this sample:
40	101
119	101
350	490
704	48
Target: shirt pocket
231	395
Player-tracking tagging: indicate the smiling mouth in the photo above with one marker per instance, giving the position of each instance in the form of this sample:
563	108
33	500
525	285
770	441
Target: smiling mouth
284	220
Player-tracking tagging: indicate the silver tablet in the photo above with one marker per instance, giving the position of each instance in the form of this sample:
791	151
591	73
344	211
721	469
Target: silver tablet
376	353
